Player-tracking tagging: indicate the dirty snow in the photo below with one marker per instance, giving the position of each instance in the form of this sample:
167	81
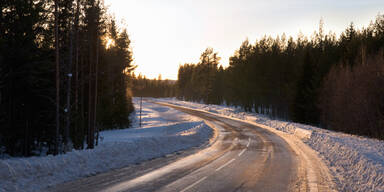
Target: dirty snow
164	131
356	163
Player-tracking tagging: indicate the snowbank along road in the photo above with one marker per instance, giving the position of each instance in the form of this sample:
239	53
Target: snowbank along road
244	157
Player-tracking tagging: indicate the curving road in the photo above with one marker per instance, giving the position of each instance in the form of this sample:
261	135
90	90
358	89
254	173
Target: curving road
243	157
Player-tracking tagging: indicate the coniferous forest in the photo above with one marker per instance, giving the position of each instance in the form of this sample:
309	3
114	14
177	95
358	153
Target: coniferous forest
66	73
144	87
335	82
64	68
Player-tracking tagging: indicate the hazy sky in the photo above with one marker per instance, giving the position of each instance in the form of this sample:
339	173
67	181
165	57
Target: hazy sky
167	33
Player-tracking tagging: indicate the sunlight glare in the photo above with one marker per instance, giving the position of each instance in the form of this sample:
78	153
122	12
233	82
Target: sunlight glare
109	42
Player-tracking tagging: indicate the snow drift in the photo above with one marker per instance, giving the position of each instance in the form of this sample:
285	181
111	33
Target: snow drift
164	131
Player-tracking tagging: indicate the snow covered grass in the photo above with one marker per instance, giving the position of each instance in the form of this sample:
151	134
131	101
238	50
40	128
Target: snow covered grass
357	163
164	131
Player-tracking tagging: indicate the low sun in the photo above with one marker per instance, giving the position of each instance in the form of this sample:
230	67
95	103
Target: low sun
109	42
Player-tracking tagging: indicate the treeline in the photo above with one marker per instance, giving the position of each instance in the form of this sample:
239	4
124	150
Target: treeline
202	82
352	98
143	87
64	69
328	81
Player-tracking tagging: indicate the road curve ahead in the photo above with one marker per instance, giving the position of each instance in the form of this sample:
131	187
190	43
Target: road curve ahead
244	157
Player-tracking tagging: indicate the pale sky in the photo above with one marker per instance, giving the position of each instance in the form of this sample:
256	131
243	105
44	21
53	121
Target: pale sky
167	33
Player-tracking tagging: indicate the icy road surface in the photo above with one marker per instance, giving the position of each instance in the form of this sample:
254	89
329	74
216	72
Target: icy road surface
244	157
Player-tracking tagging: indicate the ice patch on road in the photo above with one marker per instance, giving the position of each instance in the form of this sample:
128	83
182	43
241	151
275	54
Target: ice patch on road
164	131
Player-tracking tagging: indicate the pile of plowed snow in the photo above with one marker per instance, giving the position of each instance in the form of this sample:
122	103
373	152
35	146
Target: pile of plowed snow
164	131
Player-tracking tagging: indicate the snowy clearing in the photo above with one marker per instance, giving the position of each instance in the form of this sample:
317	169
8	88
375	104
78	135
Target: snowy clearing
356	163
164	130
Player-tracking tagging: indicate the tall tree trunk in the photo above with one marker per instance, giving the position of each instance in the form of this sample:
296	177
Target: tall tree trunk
95	97
57	78
77	66
90	89
82	103
69	84
90	106
11	104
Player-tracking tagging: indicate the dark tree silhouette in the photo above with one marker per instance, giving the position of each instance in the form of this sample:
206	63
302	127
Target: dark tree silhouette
52	64
291	79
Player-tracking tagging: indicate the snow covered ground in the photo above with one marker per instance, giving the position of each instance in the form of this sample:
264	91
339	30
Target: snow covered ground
357	163
164	131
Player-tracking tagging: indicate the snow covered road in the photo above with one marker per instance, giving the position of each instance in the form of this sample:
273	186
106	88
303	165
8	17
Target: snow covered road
244	157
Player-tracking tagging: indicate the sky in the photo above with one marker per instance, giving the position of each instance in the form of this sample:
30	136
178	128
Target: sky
169	33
